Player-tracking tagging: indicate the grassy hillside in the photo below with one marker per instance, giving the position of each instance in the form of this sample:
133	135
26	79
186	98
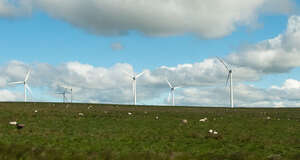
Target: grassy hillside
60	131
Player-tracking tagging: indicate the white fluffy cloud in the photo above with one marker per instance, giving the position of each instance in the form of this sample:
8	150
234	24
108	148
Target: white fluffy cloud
244	96
277	55
206	18
99	84
7	95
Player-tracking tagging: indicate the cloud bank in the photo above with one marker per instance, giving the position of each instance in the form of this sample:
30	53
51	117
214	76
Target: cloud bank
277	55
205	18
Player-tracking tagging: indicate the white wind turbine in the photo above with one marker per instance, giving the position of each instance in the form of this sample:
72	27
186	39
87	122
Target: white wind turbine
172	90
133	77
26	87
229	77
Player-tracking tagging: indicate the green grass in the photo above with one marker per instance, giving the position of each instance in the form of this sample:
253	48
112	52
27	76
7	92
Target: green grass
56	131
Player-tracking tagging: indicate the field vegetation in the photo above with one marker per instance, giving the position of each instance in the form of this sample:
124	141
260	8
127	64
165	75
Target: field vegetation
95	131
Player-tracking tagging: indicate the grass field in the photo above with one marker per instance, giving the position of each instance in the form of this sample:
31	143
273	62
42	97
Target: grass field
57	131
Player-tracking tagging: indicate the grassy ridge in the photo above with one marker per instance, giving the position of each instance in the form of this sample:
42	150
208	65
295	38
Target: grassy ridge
57	131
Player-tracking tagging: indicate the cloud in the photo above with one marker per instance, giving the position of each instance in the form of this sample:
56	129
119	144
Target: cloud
244	96
99	84
117	46
276	55
10	9
205	18
7	95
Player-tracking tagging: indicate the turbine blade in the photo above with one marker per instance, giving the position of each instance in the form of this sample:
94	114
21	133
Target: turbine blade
169	83
27	75
28	88
137	76
225	65
13	83
227	79
130	75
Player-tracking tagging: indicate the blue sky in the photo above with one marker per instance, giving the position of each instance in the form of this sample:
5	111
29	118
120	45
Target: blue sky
44	34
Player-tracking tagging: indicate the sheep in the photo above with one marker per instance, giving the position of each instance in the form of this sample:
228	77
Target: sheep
20	126
129	113
184	121
203	120
80	114
13	123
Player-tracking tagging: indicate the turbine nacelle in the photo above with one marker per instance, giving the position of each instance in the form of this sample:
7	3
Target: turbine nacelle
134	78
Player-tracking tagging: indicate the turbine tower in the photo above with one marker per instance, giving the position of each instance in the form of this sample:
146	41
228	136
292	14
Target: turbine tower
172	90
229	77
133	77
26	87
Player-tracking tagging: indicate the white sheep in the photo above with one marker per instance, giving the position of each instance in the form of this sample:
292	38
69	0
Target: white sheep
203	120
184	121
13	123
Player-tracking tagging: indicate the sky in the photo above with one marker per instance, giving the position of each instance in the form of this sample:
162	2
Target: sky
90	45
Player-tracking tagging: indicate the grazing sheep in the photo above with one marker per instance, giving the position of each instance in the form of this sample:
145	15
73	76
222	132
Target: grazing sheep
20	126
35	111
90	107
203	120
213	134
129	113
13	123
184	121
80	114
156	117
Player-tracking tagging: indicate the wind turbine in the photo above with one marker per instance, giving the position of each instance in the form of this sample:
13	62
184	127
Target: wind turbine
172	90
229	77
26	87
64	94
133	77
